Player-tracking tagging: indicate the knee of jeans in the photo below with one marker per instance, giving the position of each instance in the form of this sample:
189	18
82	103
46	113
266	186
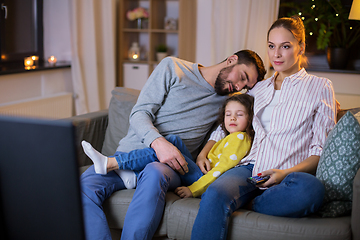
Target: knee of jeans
153	174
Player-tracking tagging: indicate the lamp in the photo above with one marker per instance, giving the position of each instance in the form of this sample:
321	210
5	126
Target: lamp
355	10
134	52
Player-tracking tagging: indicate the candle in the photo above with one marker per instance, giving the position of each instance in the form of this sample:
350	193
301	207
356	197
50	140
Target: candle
35	59
52	60
28	63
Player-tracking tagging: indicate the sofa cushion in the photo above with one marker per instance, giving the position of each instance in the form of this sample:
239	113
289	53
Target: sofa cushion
115	208
338	165
246	224
121	103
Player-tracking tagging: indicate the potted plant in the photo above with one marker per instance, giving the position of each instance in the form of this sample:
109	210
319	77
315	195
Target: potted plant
327	21
161	52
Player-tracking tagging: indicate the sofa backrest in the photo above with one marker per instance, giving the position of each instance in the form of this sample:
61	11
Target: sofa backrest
121	103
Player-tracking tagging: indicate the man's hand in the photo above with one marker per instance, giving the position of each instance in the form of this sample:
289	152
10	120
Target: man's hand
167	153
183	192
203	163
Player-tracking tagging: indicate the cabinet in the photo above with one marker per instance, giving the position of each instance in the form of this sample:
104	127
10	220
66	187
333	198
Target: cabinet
180	41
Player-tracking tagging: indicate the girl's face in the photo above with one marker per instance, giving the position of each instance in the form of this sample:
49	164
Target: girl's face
236	117
284	51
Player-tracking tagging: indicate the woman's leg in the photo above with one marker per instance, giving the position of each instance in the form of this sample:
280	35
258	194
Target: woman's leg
95	188
298	195
228	193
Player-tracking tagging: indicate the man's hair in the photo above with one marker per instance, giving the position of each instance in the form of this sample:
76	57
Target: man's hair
248	57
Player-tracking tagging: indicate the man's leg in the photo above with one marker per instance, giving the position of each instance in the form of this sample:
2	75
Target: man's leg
95	189
228	193
147	206
298	195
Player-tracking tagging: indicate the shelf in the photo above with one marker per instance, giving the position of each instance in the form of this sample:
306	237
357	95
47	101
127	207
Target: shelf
180	41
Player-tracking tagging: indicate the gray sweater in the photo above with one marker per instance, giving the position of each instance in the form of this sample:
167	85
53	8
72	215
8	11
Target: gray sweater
176	99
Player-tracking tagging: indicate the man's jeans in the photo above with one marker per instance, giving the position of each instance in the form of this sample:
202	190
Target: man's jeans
298	195
146	209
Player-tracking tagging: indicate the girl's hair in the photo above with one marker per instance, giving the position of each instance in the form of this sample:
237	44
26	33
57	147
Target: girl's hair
294	25
248	102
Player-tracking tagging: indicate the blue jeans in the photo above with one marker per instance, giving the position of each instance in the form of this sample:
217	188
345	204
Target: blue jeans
298	195
136	160
146	209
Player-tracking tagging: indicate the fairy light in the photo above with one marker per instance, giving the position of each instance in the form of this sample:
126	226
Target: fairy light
311	33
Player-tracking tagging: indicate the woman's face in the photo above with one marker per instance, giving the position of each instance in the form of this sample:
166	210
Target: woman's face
284	51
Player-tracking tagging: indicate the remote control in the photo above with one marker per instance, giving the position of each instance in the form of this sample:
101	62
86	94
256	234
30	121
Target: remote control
257	179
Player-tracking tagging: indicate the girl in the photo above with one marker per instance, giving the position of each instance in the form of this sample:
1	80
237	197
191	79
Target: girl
293	113
235	117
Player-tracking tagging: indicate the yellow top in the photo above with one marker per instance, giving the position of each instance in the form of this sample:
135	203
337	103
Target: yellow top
224	155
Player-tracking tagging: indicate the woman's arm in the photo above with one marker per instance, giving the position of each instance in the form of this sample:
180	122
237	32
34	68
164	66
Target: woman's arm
309	165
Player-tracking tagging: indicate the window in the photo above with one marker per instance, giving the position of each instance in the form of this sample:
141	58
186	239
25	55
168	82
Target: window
21	30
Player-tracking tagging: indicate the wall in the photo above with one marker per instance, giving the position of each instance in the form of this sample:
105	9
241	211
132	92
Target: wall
34	84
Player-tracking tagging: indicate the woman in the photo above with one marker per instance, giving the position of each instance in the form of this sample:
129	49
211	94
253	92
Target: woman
293	113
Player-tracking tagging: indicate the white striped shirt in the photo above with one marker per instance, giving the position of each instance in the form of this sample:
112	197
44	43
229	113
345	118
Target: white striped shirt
300	121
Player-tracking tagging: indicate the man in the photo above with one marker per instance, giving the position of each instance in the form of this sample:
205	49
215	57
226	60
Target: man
179	98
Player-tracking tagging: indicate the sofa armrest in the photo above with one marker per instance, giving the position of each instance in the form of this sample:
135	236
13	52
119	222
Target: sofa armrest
355	214
90	127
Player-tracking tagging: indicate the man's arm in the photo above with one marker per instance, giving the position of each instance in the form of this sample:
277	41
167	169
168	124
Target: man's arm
170	155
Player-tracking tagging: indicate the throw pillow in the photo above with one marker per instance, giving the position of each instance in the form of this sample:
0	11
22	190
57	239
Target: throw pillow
338	166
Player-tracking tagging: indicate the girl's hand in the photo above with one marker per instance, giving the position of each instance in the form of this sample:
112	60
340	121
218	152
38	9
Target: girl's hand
203	163
183	192
276	176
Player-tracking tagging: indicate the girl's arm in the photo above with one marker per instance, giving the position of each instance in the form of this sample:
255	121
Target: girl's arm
201	160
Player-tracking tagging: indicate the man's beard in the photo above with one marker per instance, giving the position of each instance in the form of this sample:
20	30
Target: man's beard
220	82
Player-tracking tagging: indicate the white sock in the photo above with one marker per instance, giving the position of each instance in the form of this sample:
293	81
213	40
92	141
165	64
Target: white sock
128	177
100	161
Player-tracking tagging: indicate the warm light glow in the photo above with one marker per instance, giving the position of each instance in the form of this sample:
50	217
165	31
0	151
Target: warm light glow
313	6
28	62
337	14
34	58
355	10
52	60
316	19
135	56
299	13
303	18
311	33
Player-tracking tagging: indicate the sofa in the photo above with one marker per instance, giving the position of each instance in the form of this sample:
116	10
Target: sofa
104	129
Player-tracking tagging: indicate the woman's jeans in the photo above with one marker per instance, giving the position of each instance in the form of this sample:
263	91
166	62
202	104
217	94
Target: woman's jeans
146	208
298	195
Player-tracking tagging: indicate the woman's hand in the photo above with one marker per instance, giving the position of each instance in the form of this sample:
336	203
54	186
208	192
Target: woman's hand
203	163
183	192
276	176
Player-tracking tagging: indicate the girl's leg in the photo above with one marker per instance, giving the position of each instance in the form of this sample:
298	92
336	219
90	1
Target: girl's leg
228	193
298	195
194	171
95	188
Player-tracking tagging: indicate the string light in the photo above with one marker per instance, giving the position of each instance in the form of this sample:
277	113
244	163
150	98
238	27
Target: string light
303	18
337	15
313	6
310	33
316	19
